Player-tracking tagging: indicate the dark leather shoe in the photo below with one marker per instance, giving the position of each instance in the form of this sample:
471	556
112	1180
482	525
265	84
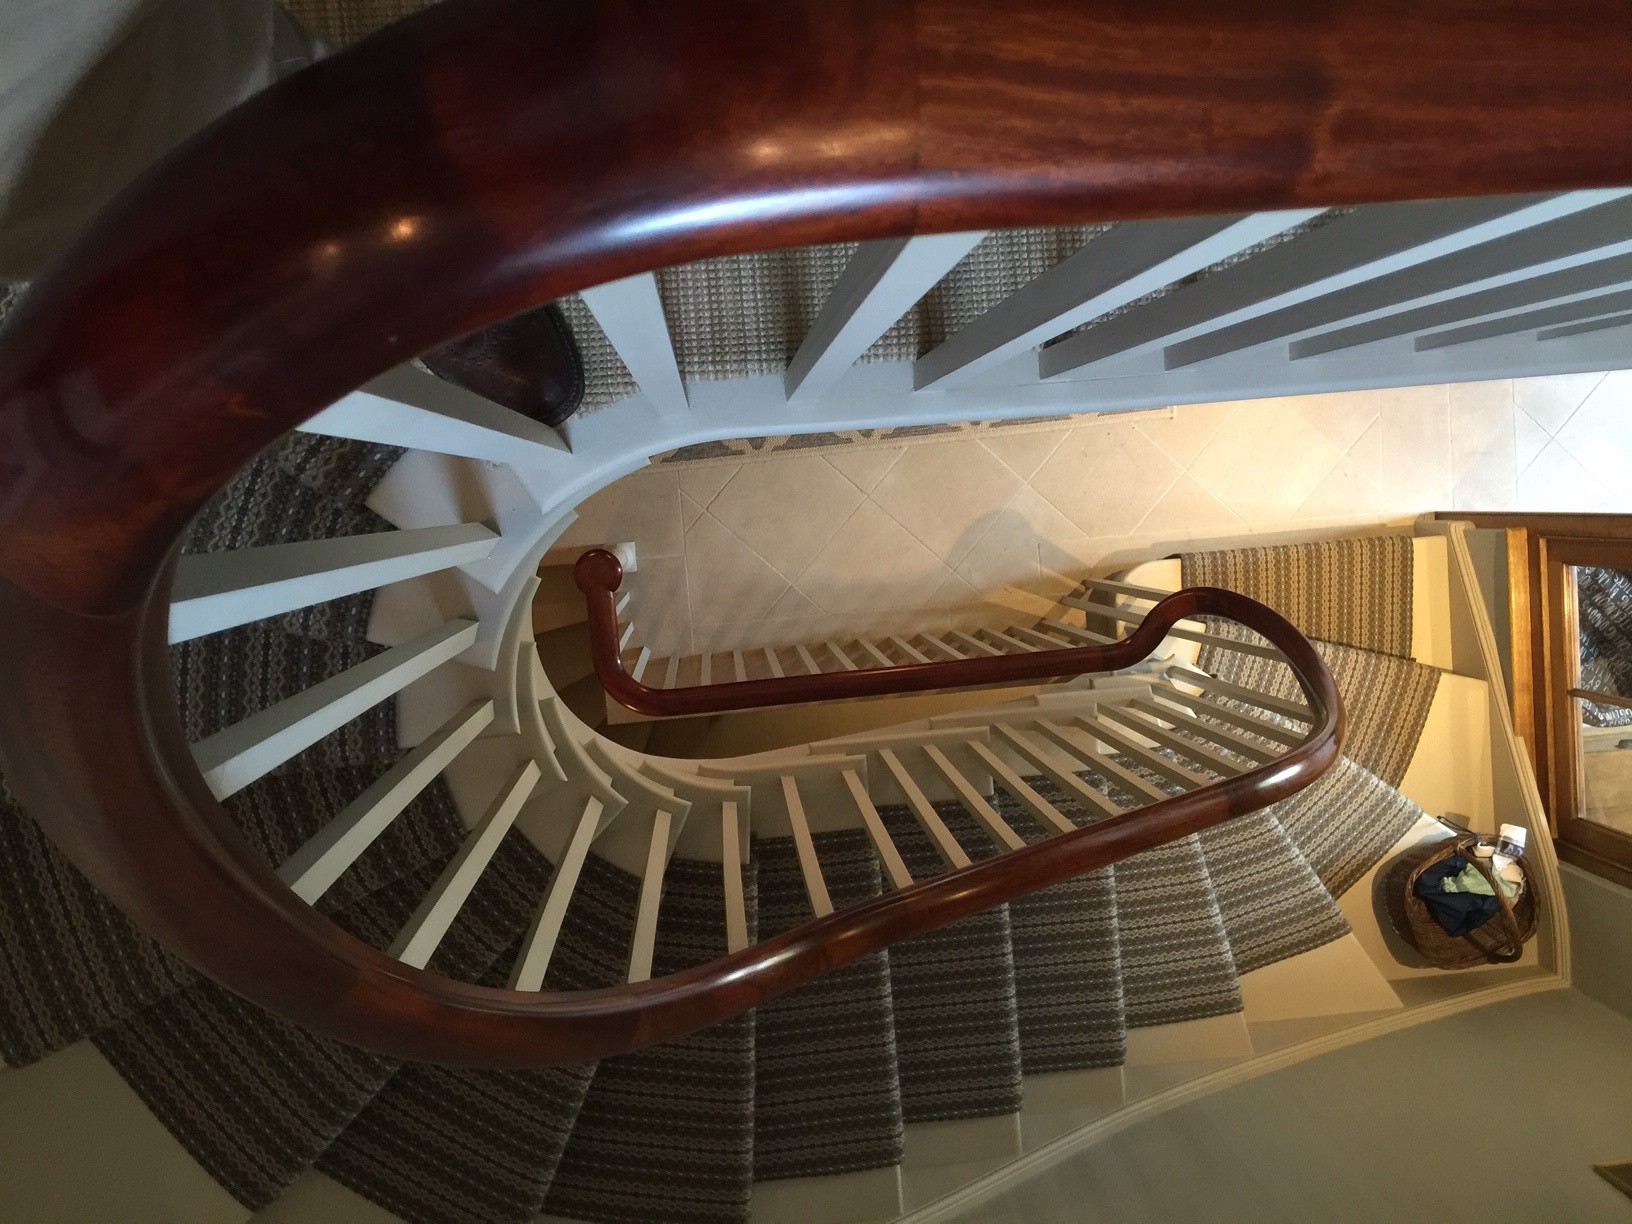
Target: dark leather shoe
528	363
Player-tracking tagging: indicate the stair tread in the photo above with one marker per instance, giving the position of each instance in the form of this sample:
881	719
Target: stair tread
253	1098
1067	961
52	917
825	1089
439	1143
957	1033
1356	591
1345	821
1271	901
668	1132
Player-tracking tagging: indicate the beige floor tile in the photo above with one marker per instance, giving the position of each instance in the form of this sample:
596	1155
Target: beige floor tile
1185	430
944	494
1007	554
1347	492
1529	440
1599	434
643	507
1341	417
702	482
865	466
1550	401
690	511
1024	452
871	562
1555	481
1265	461
1188	507
1484	465
660	607
728	581
786	509
1105	478
1416	447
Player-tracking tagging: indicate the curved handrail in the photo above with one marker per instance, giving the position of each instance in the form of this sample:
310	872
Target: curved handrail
486	155
599	574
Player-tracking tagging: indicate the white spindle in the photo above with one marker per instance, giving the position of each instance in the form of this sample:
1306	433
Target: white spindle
418	939
1143	724
1022	790
409	407
215	591
1261	650
875	654
941	646
883	280
672	672
642	660
1592	308
1184	674
888	856
644	942
807	660
809	866
772	661
974	643
973	800
312	870
1085	637
928	819
1019	647
630	312
1580	329
539	944
1116	268
739	666
913	654
1108	766
736	906
1263	727
844	660
1065	779
1213	733
231	759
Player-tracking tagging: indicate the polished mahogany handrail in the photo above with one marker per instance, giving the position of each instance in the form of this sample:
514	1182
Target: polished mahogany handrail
599	574
487	155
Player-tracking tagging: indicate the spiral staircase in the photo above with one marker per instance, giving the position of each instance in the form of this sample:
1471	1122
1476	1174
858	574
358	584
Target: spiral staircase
417	937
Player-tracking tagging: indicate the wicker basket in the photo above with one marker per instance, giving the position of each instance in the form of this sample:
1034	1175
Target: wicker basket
1499	941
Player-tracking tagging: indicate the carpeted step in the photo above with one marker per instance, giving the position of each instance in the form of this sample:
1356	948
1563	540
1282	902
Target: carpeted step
1272	903
70	963
1067	960
1356	592
456	1145
957	1031
667	1133
253	1098
826	1097
1344	822
1386	698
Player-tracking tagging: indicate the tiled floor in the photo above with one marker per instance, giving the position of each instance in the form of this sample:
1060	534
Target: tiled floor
797	546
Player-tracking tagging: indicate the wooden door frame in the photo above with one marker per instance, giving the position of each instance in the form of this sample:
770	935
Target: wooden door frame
1541	550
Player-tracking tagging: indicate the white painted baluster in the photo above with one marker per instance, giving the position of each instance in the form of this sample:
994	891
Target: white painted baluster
975	644
1211	732
705	668
739	666
231	759
941	646
1274	731
1346	250
642	660
1106	612
1065	779
918	804
807	660
875	654
883	280
736	906
410	407
1085	637
418	939
1591	308
539	944
845	661
809	867
1581	329
644	942
312	870
1116	268
672	672
215	591
1114	733
1005	639
973	800
1022	790
913	654
630	312
1185	674
888	856
773	662
1145	726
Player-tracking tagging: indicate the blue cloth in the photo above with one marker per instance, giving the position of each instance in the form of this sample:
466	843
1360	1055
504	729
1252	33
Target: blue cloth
1457	913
